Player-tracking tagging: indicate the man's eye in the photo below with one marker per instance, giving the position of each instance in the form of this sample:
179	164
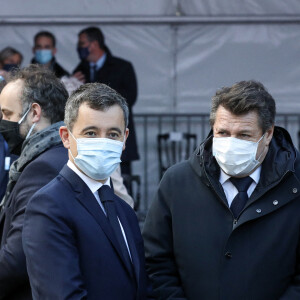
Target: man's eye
113	135
90	133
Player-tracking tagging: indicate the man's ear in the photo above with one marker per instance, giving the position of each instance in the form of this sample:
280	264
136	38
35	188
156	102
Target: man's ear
54	51
125	137
37	112
269	135
65	136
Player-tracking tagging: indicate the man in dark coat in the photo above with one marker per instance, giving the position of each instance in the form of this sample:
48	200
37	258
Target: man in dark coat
98	65
32	104
44	51
225	224
81	241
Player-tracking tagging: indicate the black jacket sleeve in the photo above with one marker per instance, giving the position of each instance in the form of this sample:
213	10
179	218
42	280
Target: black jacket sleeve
158	239
12	259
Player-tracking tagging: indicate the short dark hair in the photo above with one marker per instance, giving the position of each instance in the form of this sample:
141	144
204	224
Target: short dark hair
97	96
45	34
43	87
94	34
8	52
244	97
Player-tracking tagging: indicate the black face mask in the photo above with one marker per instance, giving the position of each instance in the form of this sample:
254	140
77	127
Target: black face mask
9	67
11	133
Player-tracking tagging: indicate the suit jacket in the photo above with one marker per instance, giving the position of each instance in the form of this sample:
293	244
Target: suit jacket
70	249
14	283
119	75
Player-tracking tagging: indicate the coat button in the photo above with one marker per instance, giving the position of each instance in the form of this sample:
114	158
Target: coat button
295	190
228	254
258	210
275	202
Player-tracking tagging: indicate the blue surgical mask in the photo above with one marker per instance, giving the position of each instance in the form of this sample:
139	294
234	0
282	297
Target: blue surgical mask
83	52
98	158
43	56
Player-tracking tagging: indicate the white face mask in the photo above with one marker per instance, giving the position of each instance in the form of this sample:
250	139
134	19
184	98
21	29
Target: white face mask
32	126
98	158
236	157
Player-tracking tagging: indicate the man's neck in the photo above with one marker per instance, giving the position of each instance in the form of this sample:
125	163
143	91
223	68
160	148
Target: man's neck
97	56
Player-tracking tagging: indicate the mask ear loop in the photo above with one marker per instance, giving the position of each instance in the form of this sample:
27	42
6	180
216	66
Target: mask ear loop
24	116
76	143
30	130
257	146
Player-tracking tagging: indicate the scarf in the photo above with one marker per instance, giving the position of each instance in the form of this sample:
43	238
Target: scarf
31	148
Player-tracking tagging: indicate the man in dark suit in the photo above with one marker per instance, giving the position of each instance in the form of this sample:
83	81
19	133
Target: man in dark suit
225	225
98	65
80	239
32	104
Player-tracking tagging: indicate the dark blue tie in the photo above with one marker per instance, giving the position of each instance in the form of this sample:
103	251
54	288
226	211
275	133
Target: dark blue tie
106	197
93	71
240	200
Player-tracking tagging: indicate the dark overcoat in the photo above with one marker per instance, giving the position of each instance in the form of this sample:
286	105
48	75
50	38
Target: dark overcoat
14	283
195	249
118	74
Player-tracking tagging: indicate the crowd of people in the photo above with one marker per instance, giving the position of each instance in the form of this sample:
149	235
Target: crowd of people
223	225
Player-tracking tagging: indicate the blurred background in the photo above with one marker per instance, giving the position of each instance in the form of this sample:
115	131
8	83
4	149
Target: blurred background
182	52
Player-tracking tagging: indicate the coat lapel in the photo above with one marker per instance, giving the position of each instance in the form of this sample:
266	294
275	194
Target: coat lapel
87	199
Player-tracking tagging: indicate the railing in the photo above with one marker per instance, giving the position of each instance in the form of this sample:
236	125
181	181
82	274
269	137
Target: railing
148	126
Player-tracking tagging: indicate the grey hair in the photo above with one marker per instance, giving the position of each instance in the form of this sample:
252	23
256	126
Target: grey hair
244	97
97	96
8	52
43	87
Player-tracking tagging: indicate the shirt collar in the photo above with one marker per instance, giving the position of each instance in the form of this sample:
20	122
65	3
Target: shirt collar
255	176
100	62
92	184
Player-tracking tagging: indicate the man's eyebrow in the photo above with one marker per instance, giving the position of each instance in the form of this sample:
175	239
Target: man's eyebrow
221	129
89	128
96	128
116	129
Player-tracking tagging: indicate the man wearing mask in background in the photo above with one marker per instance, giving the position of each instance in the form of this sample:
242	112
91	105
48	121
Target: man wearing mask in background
44	51
226	223
32	104
10	59
99	65
76	227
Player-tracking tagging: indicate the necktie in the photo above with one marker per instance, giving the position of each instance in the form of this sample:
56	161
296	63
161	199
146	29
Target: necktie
93	70
106	196
240	200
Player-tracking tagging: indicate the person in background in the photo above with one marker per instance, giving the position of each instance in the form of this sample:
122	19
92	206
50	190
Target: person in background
32	104
71	84
81	241
44	51
226	223
6	158
10	59
97	64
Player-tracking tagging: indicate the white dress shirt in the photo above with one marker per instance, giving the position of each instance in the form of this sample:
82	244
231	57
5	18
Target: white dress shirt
231	191
99	63
94	186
